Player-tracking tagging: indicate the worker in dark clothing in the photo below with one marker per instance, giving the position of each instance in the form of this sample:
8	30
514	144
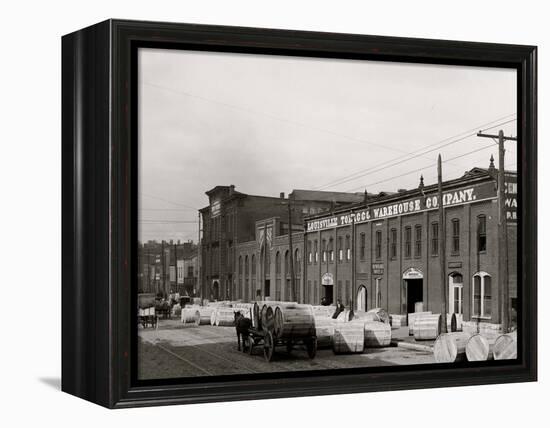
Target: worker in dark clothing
339	309
324	301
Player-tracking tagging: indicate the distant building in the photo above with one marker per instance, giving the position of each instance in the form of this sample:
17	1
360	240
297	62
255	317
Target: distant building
230	219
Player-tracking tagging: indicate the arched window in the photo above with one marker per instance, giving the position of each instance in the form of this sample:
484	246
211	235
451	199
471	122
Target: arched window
348	248
361	298
278	263
324	250
481	295
287	263
315	251
297	266
331	250
246	265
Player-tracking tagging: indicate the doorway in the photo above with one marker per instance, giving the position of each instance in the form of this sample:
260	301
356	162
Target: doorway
362	298
215	290
414	293
328	294
267	288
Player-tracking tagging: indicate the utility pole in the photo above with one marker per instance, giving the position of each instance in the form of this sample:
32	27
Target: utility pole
502	231
442	249
292	277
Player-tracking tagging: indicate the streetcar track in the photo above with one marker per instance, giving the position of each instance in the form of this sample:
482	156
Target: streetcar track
185	360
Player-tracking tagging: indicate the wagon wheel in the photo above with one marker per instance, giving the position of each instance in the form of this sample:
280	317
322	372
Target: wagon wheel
311	346
269	346
246	343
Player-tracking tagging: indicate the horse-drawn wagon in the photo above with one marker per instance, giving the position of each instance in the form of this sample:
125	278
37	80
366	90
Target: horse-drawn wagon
146	310
281	324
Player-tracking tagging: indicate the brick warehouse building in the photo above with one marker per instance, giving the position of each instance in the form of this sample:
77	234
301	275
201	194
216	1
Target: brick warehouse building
385	252
231	219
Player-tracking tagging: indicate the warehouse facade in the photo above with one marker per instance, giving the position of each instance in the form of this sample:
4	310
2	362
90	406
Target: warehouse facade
236	224
385	252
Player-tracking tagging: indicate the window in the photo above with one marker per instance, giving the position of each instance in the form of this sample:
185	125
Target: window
331	249
456	236
481	233
482	295
278	263
287	263
189	271
315	251
324	250
240	265
378	244
417	240
309	254
348	248
253	264
297	267
408	237
246	265
393	243
340	249
435	239
362	246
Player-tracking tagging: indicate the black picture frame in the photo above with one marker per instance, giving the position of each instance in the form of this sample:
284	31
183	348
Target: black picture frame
99	205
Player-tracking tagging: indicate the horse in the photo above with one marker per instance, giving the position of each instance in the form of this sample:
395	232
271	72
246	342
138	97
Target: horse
242	325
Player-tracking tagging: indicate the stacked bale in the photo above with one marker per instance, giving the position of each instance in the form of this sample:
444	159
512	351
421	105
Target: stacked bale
322	311
377	334
190	316
349	337
426	327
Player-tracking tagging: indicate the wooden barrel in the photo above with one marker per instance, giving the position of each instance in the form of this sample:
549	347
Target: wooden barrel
450	347
364	316
324	330
382	315
322	311
506	347
190	316
205	315
293	320
349	337
412	317
478	348
398	321
377	334
427	327
225	317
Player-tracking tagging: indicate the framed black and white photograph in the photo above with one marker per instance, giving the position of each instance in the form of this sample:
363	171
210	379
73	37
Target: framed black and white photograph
255	213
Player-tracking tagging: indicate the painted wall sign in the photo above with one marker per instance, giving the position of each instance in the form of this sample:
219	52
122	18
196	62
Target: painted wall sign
327	279
215	208
428	202
378	268
413	273
454	265
511	198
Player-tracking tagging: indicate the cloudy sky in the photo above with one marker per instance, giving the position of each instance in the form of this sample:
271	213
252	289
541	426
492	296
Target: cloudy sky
271	124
